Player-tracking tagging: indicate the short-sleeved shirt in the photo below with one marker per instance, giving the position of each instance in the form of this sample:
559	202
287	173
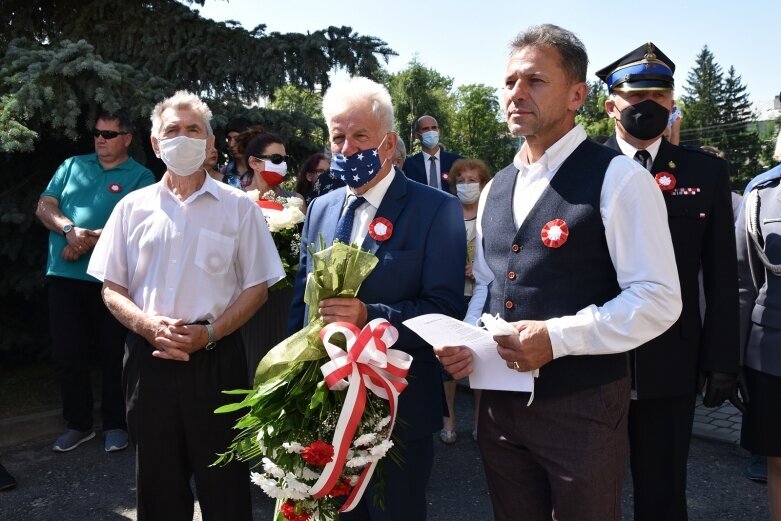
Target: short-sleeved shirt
86	193
189	259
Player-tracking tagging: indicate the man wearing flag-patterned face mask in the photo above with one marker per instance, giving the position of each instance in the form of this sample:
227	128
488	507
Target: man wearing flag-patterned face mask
669	370
410	227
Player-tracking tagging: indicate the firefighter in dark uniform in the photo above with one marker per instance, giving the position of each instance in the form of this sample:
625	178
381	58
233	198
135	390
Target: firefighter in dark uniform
694	354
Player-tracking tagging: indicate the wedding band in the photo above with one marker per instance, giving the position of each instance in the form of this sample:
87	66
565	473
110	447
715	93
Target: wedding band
517	367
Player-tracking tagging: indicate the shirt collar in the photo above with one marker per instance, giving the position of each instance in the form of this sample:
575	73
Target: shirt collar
629	150
210	186
426	155
555	155
376	193
124	165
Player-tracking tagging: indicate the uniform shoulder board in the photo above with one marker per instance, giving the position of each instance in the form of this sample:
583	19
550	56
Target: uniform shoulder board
764	180
706	153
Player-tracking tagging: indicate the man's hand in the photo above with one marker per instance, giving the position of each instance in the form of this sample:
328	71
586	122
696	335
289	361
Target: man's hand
81	240
69	254
720	387
468	272
530	349
457	360
172	339
343	309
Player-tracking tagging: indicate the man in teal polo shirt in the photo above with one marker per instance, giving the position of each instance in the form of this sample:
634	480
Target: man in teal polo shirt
75	207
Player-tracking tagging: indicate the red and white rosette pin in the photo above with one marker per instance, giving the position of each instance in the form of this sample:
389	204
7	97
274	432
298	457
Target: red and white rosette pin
665	180
366	364
554	233
114	188
380	229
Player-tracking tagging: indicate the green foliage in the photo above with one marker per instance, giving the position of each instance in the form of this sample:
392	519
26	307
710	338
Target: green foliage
592	114
478	129
417	91
704	96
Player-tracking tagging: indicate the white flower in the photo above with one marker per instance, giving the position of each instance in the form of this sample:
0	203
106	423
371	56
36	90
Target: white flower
366	439
293	447
381	449
269	195
358	461
309	475
268	485
383	423
254	195
294	201
271	468
294	489
286	218
354	479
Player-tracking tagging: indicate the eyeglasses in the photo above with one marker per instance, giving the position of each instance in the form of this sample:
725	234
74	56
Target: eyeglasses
108	134
274	158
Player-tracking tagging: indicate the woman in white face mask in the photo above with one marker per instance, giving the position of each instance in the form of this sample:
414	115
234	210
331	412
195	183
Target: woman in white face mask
470	176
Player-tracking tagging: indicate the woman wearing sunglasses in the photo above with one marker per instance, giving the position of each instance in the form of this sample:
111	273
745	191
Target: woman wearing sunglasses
266	157
315	179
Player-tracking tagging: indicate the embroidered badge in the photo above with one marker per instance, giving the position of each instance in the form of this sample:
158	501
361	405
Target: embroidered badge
665	180
114	188
554	233
381	229
693	190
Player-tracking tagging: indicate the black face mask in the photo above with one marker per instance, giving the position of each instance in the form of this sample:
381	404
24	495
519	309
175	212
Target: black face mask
646	120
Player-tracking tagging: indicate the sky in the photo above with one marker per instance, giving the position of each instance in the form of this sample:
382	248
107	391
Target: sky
468	41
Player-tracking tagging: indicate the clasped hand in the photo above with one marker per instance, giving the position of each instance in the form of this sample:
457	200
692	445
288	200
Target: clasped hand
175	340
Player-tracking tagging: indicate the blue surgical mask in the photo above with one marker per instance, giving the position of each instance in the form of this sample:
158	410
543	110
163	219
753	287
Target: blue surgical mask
358	169
430	138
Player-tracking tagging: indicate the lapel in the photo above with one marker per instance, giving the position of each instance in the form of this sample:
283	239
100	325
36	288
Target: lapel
390	207
330	216
663	161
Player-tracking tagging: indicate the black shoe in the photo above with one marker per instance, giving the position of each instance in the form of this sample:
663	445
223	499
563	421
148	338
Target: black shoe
756	470
6	480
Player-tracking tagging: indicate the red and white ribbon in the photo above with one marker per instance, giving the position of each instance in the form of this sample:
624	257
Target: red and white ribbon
366	363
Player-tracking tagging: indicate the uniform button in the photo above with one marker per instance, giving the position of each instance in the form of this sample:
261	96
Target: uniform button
516	248
509	304
511	275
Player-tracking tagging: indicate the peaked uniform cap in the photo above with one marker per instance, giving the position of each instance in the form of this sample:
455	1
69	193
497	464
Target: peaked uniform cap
645	68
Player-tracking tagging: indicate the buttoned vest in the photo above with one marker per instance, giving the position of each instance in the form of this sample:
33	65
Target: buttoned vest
533	281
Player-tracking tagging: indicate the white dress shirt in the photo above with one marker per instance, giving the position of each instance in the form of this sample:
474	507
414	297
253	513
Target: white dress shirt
189	259
438	162
630	151
366	211
638	239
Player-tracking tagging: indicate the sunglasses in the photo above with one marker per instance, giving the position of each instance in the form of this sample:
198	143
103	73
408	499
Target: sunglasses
274	158
108	134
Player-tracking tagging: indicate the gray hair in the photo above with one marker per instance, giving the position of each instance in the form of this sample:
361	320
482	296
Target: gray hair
401	149
574	59
181	100
344	96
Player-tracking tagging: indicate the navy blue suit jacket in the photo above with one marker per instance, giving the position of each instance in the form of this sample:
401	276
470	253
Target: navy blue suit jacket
420	271
416	168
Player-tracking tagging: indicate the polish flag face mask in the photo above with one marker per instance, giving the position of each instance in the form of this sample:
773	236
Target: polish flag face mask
273	174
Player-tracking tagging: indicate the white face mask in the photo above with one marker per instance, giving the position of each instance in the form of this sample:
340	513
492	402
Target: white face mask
183	155
468	193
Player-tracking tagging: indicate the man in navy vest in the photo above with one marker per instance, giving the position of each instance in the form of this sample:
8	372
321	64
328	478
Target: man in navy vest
665	371
432	166
560	247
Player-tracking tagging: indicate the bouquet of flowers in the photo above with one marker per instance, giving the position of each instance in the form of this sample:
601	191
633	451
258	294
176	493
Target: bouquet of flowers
283	215
324	404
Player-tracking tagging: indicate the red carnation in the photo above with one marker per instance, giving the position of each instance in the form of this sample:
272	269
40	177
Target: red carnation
319	453
342	488
288	510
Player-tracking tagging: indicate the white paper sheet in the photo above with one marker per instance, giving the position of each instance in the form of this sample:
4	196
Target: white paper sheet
490	371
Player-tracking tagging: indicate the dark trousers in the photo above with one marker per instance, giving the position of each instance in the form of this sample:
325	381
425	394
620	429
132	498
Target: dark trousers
170	410
659	434
405	474
560	458
79	322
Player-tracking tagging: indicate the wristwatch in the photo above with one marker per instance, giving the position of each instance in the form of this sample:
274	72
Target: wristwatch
212	337
66	229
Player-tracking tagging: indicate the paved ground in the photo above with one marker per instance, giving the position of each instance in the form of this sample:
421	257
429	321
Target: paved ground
88	484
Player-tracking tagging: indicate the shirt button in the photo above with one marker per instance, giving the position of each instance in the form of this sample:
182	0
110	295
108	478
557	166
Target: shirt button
509	304
516	248
511	275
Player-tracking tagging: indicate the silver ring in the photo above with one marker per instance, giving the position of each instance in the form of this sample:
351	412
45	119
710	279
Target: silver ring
517	367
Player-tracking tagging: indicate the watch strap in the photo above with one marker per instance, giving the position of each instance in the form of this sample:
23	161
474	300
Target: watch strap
212	337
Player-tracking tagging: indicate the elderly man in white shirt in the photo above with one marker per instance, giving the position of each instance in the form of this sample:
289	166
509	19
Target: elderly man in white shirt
184	263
